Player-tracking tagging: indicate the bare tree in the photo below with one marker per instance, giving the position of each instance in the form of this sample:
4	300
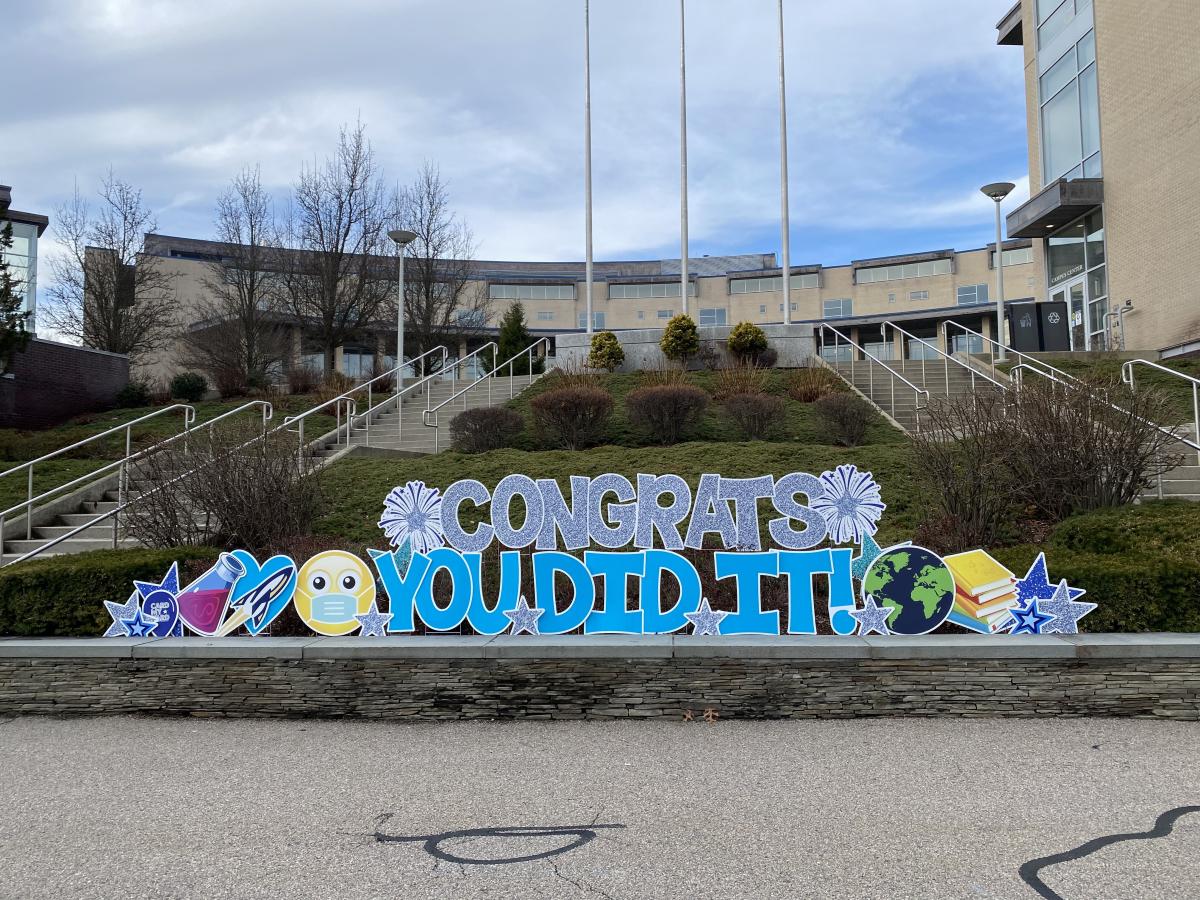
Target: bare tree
105	292
335	277
441	301
237	335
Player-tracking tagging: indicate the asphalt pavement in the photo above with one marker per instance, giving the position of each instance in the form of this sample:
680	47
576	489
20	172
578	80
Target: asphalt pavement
889	808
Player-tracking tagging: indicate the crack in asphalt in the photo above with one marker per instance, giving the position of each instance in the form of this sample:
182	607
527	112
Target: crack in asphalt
1030	872
583	886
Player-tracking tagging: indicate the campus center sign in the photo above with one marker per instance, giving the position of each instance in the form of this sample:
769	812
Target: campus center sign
617	558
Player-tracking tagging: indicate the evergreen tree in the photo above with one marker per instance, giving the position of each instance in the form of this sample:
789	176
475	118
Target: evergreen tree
513	338
13	316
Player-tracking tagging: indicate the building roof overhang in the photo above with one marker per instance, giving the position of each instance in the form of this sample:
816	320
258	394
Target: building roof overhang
13	215
1010	31
1058	204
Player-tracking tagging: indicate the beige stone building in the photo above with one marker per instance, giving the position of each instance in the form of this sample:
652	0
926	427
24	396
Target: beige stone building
916	291
1113	99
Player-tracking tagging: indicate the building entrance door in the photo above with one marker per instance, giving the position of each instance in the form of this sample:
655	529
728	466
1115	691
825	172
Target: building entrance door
1074	295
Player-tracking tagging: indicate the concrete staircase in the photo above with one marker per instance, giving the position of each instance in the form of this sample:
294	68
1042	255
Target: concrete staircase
405	432
897	399
97	537
1182	482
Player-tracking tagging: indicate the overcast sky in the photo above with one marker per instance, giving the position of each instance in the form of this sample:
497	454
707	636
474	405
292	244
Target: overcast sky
898	112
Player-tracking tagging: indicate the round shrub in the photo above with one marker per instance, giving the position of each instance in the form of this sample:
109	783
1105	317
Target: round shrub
606	352
486	428
756	415
667	412
845	416
135	393
188	387
747	341
680	340
572	417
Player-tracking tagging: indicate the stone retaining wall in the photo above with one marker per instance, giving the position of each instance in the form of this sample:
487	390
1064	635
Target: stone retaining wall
598	678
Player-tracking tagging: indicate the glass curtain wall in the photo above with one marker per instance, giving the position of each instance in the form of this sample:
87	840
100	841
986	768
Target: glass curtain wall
1077	272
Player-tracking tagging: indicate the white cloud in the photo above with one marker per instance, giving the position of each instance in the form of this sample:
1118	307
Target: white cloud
895	109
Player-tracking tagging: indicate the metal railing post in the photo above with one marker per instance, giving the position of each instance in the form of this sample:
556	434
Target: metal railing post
29	505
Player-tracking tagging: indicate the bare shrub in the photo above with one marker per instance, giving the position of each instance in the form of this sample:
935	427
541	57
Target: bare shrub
845	416
1087	445
571	373
811	383
663	377
334	384
231	486
572	417
667	412
964	461
741	378
386	376
756	415
767	358
485	428
303	379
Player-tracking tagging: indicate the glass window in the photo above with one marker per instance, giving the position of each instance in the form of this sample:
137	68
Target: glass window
881	350
1056	23
971	294
1086	49
1091	167
1065	254
1061	132
967	343
915	349
1059	75
918	295
1094	228
1097	284
597	320
837	353
655	291
712	317
895	273
545	315
1089	110
641	314
838	309
531	291
762	308
665	313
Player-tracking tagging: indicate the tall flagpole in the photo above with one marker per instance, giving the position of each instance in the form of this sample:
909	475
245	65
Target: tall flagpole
587	160
683	179
785	226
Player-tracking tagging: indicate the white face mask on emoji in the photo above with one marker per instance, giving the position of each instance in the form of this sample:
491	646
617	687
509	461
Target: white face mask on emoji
333	609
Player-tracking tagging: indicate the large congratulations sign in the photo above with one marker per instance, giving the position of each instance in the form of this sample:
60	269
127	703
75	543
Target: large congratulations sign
611	560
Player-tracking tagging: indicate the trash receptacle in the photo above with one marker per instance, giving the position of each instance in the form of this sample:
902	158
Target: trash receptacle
1054	327
1025	327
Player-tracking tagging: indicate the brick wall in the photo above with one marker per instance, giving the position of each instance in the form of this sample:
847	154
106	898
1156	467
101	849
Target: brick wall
51	382
574	678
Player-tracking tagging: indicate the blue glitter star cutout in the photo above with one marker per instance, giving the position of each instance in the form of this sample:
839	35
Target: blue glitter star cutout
1064	612
138	626
373	622
1029	619
705	620
1036	584
872	619
121	612
524	619
170	583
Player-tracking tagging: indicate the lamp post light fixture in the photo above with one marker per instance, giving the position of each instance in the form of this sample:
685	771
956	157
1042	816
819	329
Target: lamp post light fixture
402	238
996	193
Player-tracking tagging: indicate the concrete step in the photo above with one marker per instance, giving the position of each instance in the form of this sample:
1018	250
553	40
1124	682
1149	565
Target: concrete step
73	545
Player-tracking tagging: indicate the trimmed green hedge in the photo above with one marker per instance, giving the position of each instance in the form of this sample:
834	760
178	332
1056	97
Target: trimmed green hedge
64	596
1141	564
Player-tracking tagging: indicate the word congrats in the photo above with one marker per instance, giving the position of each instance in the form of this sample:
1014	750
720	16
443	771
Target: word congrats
618	557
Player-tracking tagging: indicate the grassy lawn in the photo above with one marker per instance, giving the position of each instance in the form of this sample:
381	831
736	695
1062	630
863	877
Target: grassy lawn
46	476
355	487
18	445
801	424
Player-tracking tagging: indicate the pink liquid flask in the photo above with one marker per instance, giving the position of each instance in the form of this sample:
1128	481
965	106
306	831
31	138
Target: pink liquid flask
202	603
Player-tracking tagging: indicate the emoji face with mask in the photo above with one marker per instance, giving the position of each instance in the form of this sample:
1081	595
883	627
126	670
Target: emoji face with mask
333	588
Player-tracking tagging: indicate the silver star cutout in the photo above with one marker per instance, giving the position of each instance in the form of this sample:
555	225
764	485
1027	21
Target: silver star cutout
119	611
373	622
705	620
1065	612
524	618
872	618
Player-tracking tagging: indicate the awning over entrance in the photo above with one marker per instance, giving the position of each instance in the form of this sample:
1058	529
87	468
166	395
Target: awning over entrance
1060	203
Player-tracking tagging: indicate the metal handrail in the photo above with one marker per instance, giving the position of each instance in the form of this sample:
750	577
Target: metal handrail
894	375
489	378
946	360
1127	378
992	344
189	416
122	465
373	407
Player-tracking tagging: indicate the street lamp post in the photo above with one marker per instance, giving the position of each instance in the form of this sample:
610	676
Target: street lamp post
402	238
683	179
785	224
997	192
587	160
